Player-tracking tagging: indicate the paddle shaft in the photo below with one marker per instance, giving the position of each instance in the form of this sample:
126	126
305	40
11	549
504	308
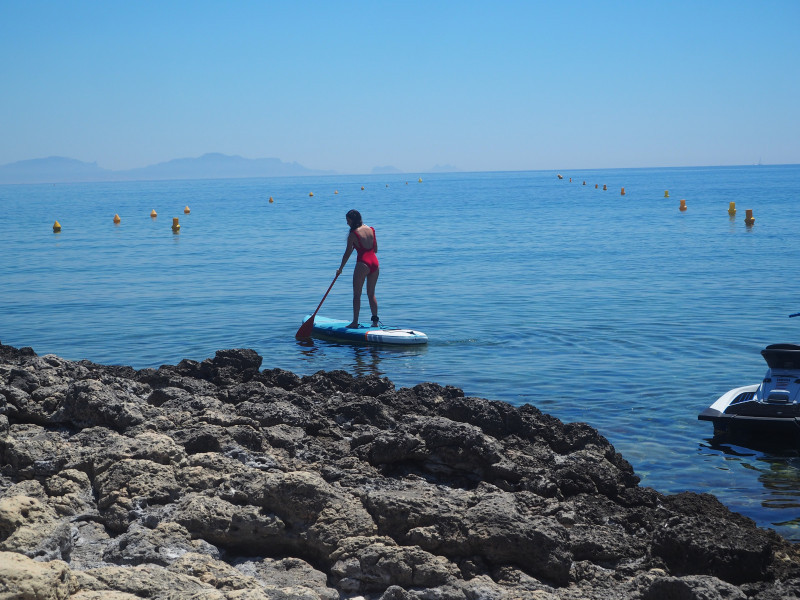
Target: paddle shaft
305	329
325	296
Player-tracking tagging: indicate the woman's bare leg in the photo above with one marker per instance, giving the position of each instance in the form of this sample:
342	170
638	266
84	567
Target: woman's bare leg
359	275
372	279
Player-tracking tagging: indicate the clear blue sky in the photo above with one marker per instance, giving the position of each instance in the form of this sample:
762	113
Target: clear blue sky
347	86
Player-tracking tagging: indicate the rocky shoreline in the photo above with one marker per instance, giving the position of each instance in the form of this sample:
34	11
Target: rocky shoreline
220	480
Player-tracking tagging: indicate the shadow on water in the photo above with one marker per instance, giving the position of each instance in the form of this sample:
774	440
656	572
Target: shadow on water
781	446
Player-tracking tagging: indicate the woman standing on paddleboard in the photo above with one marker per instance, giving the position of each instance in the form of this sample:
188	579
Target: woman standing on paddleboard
362	239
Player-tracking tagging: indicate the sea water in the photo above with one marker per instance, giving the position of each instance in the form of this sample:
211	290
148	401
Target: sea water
618	310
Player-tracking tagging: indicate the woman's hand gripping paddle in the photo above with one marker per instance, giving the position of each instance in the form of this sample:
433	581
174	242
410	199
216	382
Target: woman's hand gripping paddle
305	329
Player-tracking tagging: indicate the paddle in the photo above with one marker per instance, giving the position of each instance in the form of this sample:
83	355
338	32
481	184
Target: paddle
305	329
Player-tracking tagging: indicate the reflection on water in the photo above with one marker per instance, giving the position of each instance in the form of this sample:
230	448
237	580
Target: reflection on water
781	478
714	444
777	469
309	349
366	361
359	359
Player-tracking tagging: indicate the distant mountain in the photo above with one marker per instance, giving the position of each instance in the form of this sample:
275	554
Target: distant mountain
387	170
209	166
220	166
54	169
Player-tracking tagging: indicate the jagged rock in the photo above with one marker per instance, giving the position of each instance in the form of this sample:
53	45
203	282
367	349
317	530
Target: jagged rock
90	539
367	564
236	528
70	493
89	403
162	545
288	577
693	587
213	479
129	486
231	367
154	581
498	527
371	385
691	543
33	451
32	527
214	572
23	578
277	407
278	378
318	515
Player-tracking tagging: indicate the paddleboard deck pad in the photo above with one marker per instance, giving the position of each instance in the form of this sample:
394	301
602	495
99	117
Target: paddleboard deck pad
336	329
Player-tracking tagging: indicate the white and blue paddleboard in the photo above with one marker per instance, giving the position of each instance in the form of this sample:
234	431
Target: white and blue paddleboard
366	334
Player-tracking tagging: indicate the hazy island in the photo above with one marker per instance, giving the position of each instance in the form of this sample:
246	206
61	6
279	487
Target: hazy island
57	169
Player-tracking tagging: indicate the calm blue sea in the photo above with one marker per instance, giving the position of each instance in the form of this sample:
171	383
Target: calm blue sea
621	311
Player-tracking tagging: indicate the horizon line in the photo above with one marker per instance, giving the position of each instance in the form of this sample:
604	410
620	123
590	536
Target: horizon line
444	169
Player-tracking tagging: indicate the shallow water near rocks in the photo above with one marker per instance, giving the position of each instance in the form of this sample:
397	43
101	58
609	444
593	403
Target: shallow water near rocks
620	311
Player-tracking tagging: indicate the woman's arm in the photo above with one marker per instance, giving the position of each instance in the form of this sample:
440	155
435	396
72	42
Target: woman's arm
347	252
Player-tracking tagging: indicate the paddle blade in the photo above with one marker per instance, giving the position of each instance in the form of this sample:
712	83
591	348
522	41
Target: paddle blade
305	330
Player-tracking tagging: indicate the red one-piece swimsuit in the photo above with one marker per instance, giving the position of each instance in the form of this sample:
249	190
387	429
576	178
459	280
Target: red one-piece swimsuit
367	255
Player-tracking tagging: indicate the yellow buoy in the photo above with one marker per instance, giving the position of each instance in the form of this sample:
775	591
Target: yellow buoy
186	210
270	200
153	214
56	227
420	180
622	193
117	219
666	193
749	219
310	194
683	205
175	225
732	208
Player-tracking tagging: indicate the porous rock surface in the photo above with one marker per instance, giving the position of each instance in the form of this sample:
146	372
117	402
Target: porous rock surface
220	480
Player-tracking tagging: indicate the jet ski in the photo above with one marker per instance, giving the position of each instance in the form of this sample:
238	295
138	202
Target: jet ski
770	408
